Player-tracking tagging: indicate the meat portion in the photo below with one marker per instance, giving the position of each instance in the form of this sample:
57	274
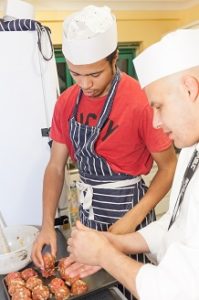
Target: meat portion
55	284
40	292
11	276
22	294
15	284
49	265
30	285
58	288
32	282
23	298
62	268
27	273
79	287
62	293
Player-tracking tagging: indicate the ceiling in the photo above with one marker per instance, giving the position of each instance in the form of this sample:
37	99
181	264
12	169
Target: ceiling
114	4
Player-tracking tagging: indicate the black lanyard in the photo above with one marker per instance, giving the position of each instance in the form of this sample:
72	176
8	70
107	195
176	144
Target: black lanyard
190	170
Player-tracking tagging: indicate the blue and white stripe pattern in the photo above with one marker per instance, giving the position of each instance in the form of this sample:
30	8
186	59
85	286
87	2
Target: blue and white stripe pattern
18	25
109	205
88	160
31	25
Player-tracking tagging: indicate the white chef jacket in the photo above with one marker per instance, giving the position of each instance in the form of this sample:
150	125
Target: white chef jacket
175	275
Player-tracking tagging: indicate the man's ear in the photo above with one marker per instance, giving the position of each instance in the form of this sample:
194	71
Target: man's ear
192	86
116	57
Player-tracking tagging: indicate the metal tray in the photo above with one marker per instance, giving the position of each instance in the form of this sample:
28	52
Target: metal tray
111	293
96	282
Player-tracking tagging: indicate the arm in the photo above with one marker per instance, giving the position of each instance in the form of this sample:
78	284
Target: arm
131	243
160	185
90	247
53	183
175	277
52	188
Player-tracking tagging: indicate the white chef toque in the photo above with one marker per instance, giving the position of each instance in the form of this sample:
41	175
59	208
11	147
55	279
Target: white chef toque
175	52
89	35
17	9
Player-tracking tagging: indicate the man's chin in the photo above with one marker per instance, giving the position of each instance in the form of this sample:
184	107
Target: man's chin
180	144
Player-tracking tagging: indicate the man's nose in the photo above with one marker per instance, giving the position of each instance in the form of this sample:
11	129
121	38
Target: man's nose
85	82
156	119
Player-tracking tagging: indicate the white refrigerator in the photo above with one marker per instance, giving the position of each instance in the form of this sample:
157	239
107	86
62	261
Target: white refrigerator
28	92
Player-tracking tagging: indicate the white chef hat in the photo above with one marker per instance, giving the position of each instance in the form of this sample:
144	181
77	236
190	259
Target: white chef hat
17	9
89	35
175	52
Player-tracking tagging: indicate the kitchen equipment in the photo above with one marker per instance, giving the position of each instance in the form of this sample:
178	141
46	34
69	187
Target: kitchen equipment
111	293
100	284
28	92
96	283
4	247
20	239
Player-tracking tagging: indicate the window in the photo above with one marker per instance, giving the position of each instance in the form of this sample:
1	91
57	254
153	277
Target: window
127	51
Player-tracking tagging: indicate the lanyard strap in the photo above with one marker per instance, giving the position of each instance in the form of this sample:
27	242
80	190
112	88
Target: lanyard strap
190	170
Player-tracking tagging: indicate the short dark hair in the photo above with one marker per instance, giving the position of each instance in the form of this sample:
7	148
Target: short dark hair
111	56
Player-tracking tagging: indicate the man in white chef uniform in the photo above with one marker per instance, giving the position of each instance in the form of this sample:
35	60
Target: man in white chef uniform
168	72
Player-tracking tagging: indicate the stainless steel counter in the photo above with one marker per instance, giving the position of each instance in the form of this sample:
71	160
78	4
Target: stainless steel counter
100	282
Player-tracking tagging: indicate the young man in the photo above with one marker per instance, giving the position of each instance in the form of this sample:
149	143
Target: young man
104	122
169	73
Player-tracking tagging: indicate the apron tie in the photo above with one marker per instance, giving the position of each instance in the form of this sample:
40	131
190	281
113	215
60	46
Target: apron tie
86	197
86	191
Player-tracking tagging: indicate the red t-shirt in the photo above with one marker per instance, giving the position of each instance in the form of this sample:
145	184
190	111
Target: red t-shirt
127	138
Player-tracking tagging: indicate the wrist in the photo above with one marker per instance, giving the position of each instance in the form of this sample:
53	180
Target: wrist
48	225
105	254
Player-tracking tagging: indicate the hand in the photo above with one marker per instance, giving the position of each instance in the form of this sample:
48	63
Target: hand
77	269
123	226
87	245
45	237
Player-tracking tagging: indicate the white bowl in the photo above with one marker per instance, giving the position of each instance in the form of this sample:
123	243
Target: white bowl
20	239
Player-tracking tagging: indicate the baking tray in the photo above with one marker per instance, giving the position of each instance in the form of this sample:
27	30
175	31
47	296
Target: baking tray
96	282
111	293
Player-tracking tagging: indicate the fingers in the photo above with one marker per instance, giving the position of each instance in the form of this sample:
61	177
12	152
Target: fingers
37	255
80	226
70	260
44	238
88	270
75	269
53	247
110	228
69	247
81	270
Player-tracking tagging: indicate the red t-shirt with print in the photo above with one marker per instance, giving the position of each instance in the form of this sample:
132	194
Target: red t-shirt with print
127	139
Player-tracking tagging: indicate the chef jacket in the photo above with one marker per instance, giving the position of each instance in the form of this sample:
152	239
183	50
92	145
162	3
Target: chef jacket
174	274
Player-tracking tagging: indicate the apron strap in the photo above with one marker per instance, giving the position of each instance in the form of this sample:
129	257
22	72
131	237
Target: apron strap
86	191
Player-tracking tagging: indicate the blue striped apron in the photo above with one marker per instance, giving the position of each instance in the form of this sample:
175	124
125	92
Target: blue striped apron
107	195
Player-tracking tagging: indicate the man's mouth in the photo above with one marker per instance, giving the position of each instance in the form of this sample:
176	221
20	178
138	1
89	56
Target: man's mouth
88	91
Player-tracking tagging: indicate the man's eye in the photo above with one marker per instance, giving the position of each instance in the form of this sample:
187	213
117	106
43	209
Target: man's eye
75	75
95	75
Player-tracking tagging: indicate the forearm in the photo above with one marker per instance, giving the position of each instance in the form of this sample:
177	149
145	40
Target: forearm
158	188
131	243
121	267
52	188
